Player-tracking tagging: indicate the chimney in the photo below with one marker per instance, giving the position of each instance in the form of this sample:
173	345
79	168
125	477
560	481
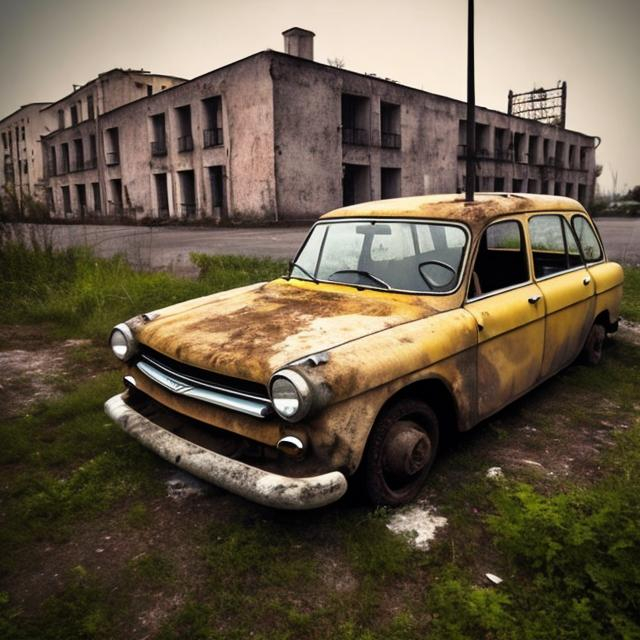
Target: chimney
299	42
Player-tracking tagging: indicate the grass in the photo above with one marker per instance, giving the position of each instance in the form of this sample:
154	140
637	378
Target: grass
216	567
631	298
84	296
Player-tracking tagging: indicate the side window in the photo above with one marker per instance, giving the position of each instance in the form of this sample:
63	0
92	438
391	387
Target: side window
501	261
553	246
591	250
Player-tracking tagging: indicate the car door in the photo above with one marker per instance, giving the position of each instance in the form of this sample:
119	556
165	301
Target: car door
509	311
567	288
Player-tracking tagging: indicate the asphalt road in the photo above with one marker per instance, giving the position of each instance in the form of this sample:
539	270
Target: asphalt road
169	247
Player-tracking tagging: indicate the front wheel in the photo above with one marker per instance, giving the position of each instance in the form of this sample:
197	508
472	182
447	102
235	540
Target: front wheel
401	448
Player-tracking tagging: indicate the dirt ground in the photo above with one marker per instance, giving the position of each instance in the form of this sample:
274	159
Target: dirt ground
36	366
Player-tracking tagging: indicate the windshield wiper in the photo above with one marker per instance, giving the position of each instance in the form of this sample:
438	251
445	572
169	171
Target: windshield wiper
365	274
297	266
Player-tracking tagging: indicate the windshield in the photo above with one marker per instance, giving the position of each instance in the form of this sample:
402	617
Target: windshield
424	257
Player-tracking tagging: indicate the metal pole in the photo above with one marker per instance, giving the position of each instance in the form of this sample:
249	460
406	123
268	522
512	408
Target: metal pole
471	110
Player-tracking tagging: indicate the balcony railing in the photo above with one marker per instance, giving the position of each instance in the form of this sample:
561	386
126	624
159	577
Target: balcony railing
91	163
355	136
390	140
187	209
113	158
159	148
213	137
78	165
185	143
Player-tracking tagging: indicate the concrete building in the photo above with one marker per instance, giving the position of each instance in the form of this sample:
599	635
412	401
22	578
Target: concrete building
278	136
75	118
22	168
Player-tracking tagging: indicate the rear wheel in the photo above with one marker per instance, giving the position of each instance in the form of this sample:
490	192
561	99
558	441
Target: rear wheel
592	350
400	451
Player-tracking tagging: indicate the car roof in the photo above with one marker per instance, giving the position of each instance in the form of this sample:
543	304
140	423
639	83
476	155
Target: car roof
484	208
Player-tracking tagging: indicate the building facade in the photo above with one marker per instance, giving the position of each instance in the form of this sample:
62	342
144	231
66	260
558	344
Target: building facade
278	137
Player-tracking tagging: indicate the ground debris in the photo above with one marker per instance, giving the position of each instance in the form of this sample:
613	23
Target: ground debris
417	520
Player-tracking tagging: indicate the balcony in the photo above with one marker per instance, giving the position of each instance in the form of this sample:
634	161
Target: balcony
213	137
185	143
113	158
355	136
390	140
159	148
187	209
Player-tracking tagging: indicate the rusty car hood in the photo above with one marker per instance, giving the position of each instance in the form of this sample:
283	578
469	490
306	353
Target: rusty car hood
253	331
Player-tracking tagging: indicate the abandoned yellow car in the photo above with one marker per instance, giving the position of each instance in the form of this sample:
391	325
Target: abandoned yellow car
398	320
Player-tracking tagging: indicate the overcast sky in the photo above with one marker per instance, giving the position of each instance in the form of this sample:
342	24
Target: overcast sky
47	45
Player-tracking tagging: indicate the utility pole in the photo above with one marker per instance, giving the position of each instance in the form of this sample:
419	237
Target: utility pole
471	110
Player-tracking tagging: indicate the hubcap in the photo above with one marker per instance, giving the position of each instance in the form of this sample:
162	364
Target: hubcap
407	449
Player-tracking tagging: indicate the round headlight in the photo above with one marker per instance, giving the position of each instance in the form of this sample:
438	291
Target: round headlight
290	395
123	344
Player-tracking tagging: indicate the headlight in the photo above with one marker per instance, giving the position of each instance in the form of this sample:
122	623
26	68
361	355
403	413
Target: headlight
122	342
291	395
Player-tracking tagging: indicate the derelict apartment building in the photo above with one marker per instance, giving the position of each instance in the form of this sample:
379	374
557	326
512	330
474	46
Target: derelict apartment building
277	137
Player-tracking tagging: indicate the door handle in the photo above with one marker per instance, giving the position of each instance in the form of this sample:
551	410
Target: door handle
586	281
534	299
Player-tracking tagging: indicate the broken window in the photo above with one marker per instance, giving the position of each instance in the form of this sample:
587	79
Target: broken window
90	108
482	140
60	118
498	184
97	200
74	115
81	194
213	121
501	148
185	137
560	161
390	125
533	151
115	197
355	119
462	138
162	194
187	183
572	156
569	190
78	153
218	200
389	183
501	261
355	184
582	193
93	153
158	131
584	153
66	200
553	245
532	185
518	146
51	204
548	151
64	148
112	146
517	185
53	165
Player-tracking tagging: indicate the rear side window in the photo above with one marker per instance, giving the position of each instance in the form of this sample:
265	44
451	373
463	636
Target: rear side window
591	250
553	245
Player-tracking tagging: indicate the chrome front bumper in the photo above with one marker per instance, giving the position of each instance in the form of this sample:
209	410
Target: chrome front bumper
255	484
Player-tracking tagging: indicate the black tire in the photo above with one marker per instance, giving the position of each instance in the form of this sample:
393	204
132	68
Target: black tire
409	427
592	351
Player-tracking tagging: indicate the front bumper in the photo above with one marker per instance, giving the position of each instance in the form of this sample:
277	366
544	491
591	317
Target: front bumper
250	482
